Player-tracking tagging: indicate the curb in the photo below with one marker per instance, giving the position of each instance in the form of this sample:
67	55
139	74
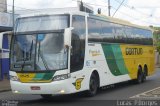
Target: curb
4	90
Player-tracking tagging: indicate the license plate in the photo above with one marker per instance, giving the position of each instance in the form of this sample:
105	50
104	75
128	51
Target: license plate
35	88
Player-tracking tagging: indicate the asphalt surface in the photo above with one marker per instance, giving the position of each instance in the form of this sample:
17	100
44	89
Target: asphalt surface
122	91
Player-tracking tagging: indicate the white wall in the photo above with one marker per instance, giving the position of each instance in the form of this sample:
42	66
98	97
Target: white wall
5	19
3	6
157	59
1	37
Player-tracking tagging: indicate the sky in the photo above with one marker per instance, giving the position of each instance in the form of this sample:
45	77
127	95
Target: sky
141	12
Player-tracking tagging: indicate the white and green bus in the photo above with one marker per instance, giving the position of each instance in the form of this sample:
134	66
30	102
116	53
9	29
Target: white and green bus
69	52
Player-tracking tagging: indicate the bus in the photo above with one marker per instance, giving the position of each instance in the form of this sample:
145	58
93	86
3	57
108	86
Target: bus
74	51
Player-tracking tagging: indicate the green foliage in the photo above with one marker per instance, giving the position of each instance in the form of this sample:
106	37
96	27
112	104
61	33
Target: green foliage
158	47
156	38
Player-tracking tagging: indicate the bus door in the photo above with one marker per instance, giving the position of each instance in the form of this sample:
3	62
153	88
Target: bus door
78	49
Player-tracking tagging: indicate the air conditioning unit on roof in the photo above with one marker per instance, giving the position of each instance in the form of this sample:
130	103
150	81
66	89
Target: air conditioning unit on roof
84	7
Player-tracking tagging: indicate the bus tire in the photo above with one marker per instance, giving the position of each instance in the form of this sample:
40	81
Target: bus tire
145	73
93	86
46	96
139	76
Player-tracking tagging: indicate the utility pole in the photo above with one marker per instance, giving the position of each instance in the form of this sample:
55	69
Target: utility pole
118	8
13	14
109	8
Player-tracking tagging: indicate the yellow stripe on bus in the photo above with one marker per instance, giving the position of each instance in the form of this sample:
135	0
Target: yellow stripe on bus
138	55
26	77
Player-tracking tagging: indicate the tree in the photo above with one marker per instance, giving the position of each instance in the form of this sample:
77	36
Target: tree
156	38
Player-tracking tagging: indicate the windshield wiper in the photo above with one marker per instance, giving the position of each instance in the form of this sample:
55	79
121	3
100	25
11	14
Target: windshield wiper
31	50
24	62
43	59
25	59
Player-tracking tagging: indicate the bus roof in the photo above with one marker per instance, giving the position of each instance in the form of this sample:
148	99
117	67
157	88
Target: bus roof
74	10
50	11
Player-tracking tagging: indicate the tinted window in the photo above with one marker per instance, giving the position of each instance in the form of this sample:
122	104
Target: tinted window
103	31
78	43
94	30
108	31
120	35
100	31
130	36
138	36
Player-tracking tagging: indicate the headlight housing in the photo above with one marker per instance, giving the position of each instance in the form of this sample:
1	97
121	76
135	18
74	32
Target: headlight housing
14	78
61	77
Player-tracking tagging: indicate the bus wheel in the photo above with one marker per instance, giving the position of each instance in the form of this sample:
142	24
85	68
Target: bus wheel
93	86
45	96
145	74
144	77
139	77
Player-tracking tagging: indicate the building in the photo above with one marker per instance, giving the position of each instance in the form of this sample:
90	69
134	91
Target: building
5	18
3	6
5	25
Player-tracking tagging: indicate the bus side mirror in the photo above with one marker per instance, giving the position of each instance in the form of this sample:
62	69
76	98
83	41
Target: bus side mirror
67	36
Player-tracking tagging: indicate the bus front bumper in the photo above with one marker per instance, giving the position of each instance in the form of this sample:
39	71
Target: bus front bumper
56	87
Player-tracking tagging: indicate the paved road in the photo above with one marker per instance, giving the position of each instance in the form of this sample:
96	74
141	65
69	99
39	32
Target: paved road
121	91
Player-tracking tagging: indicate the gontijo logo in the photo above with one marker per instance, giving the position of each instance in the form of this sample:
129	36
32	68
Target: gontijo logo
95	52
134	51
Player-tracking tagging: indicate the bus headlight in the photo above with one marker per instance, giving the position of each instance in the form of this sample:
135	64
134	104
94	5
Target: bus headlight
61	77
14	78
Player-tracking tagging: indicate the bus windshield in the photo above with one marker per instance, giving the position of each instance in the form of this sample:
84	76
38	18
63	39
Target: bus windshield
38	43
39	52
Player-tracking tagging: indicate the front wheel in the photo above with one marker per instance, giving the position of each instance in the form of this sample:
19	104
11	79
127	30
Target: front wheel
93	86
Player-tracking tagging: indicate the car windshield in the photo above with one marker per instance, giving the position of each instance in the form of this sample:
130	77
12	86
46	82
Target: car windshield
39	52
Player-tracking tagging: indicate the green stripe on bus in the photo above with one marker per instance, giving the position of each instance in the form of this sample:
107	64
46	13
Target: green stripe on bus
110	58
48	76
119	59
39	76
43	76
114	59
